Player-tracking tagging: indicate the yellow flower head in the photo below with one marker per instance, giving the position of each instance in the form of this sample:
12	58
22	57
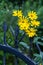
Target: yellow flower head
17	13
32	15
14	13
31	32
35	23
40	63
23	23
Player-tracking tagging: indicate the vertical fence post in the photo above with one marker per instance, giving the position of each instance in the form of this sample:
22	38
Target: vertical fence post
31	46
16	43
16	36
4	29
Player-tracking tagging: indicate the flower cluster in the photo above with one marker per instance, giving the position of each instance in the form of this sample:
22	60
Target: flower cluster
27	23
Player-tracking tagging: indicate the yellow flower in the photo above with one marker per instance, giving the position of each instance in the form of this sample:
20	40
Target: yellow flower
31	32
35	23
23	23
14	13
17	13
40	63
23	26
32	15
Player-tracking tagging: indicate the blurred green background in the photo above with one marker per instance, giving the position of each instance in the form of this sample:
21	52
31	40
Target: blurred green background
6	8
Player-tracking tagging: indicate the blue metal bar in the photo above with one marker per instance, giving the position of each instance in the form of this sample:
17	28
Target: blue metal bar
16	37
16	43
16	60
31	46
4	59
4	29
15	52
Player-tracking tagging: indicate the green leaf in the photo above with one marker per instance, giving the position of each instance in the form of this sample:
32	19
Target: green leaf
36	39
37	59
37	55
41	54
24	44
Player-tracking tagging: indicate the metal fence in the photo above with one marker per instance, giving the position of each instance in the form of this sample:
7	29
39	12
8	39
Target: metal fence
15	51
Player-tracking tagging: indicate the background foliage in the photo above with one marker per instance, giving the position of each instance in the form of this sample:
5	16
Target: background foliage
6	8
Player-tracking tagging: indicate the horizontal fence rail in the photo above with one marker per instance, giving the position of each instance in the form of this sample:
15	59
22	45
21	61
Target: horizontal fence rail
14	51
